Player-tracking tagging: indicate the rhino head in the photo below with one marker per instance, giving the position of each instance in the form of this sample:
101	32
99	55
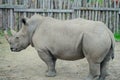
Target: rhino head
19	40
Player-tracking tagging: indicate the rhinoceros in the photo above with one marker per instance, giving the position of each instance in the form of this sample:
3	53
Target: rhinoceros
67	40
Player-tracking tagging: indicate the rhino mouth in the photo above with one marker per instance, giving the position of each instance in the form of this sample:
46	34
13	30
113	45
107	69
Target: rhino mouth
15	49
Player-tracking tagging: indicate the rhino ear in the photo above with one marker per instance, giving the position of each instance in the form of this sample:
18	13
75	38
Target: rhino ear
25	20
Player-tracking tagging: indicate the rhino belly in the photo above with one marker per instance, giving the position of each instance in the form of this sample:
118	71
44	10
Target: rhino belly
68	55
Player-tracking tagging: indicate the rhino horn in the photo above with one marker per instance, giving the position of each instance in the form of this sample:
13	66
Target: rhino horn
6	35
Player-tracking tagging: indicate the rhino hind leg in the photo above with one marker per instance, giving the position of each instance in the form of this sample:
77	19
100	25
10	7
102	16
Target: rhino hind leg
104	65
104	68
50	61
94	71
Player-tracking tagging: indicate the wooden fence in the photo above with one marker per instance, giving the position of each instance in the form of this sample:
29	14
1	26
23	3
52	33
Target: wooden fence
106	11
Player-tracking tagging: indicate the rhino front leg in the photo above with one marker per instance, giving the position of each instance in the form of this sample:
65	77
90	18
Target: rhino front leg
94	71
50	60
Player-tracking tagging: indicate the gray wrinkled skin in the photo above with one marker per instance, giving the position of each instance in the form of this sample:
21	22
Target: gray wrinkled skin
68	40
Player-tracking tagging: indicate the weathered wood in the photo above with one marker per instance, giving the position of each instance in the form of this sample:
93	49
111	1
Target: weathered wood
44	10
8	6
11	15
99	10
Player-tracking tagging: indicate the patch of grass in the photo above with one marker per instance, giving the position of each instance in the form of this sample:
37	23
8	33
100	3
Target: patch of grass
2	32
117	36
9	32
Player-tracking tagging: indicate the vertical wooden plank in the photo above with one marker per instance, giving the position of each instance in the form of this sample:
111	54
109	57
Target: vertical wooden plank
99	16
117	22
80	6
15	16
11	15
4	18
117	18
43	7
52	4
86	14
89	12
26	4
18	22
40	2
104	16
96	12
107	18
75	14
60	8
83	11
89	5
64	6
109	15
114	21
110	20
55	7
86	11
36	4
68	7
49	7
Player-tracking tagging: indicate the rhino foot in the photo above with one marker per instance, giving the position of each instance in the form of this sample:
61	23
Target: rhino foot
92	78
51	73
104	76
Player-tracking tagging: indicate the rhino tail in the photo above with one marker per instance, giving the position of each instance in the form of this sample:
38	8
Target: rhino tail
112	51
112	45
112	48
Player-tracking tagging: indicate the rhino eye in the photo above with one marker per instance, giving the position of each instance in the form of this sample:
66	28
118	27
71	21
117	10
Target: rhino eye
17	37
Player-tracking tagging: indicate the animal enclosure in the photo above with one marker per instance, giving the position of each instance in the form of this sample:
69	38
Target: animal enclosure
106	11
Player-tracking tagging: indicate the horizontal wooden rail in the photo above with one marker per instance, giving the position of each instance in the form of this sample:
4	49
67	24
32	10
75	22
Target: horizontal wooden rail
45	10
97	9
7	6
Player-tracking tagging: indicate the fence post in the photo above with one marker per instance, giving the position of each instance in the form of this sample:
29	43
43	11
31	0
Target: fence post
4	16
11	14
26	6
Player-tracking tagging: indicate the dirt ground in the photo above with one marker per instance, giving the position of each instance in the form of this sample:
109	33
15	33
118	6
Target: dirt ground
26	65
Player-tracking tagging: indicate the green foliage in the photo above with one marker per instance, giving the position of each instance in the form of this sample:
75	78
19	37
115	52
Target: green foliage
9	32
117	36
100	2
94	1
1	33
72	0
